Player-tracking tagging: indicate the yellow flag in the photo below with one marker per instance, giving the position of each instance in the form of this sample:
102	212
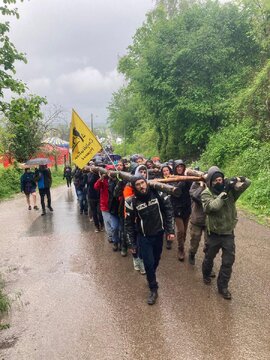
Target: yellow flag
82	141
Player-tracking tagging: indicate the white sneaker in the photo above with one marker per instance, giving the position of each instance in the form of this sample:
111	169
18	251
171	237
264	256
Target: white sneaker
142	269
136	264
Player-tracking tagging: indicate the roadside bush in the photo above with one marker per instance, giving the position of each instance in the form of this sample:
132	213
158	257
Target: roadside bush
244	157
10	180
258	195
253	162
229	144
4	301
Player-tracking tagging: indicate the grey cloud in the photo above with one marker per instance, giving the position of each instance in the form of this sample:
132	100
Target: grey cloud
73	48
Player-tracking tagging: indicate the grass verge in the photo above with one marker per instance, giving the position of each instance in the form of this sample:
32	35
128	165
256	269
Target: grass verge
4	305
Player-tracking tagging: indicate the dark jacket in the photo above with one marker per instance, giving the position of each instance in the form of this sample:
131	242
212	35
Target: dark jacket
148	215
76	174
93	194
67	172
113	200
182	203
119	194
27	182
197	214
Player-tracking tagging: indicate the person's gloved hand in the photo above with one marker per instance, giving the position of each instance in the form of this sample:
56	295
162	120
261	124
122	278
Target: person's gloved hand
223	195
241	178
229	184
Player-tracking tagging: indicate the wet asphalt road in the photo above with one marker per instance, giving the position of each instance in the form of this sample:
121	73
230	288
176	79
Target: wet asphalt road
73	298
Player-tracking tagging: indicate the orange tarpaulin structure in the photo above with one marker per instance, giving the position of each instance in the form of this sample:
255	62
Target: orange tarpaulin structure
46	151
54	153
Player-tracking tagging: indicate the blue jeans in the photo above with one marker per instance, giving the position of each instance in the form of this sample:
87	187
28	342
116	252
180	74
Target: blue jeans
151	249
115	225
107	223
83	201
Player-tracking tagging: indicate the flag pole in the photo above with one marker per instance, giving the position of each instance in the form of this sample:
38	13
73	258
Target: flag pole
109	158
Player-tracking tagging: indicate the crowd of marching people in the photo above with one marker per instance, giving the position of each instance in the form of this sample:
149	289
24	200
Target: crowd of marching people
137	218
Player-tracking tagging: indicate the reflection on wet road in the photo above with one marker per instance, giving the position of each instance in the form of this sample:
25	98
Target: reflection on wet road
74	298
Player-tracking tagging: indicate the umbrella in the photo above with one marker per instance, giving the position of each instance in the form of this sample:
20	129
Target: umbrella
115	157
37	161
56	141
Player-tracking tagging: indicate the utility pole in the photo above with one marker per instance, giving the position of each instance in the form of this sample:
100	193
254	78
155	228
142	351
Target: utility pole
92	122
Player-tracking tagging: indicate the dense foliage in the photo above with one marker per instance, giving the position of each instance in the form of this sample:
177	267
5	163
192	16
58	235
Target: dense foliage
8	56
198	80
24	128
182	72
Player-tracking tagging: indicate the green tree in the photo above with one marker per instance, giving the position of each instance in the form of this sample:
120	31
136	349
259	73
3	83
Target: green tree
8	56
24	121
258	12
185	69
123	113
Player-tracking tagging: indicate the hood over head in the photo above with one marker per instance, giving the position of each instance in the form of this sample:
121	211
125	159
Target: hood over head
177	163
212	174
166	166
141	167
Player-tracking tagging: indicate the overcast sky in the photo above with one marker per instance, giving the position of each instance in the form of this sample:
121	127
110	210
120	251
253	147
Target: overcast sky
72	48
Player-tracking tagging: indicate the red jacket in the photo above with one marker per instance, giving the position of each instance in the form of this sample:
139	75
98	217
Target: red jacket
102	185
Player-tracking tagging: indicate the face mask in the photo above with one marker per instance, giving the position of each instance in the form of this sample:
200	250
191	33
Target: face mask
219	187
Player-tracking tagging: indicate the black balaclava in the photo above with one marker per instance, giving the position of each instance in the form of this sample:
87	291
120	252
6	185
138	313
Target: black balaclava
219	187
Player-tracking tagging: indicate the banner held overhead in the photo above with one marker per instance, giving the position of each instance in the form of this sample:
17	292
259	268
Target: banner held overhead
82	141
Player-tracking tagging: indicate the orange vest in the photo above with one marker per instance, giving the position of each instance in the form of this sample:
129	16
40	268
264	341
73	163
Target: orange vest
127	192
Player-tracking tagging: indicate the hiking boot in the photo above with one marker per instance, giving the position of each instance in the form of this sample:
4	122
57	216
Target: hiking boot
181	255
136	264
29	207
169	245
50	208
36	207
225	293
115	246
152	297
207	280
124	252
191	259
142	269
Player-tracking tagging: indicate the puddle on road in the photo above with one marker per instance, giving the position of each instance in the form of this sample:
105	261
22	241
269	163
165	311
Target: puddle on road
64	219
